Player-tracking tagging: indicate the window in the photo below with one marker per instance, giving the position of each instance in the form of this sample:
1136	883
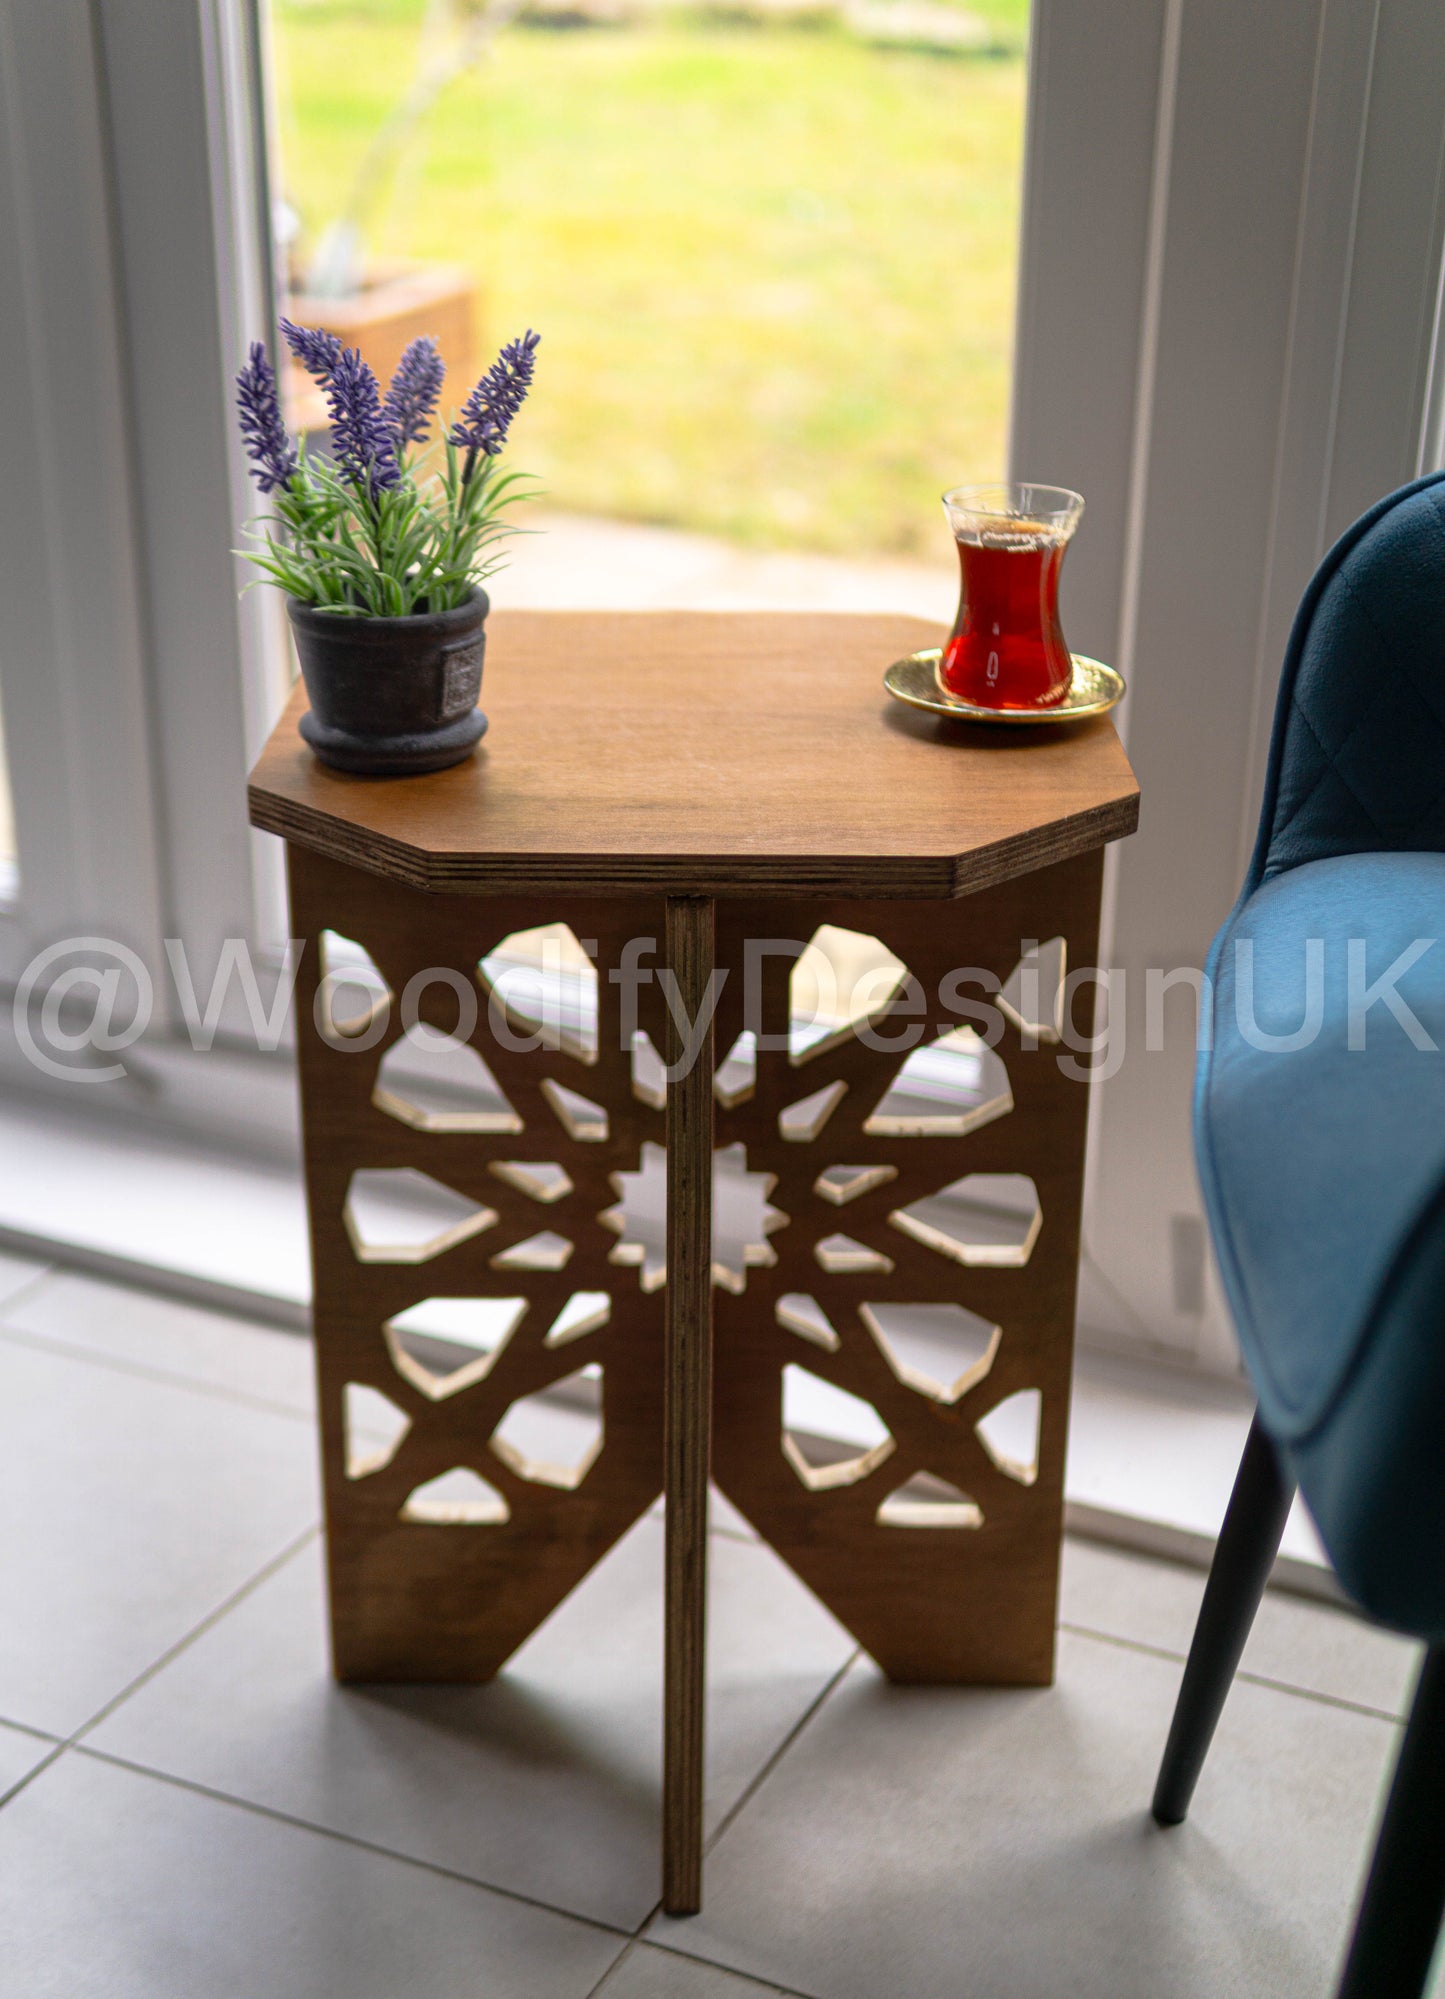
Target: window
1227	302
772	250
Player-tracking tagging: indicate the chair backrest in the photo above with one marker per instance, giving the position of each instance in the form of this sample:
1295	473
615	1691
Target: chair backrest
1357	761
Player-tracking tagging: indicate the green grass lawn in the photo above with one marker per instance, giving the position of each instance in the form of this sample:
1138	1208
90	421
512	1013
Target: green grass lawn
773	268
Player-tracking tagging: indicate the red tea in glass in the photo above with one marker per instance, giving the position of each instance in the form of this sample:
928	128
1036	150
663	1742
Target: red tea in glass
1007	648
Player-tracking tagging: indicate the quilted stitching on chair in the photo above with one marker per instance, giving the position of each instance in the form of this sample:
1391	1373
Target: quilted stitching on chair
1362	762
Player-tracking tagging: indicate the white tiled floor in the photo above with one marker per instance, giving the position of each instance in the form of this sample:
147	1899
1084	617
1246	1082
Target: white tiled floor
192	1810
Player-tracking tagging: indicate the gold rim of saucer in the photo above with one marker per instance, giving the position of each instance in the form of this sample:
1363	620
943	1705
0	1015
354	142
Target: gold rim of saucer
1094	690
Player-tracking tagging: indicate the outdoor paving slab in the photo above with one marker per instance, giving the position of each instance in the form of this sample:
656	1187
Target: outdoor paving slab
1310	1646
114	1885
546	1781
931	1843
133	1509
211	1349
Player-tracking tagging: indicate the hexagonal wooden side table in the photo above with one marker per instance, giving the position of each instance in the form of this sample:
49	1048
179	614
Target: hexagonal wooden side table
705	802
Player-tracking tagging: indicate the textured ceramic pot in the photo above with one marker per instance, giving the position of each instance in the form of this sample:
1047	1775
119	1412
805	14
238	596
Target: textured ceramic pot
392	697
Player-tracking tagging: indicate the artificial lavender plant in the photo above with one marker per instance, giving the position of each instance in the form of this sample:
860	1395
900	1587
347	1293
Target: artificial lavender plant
371	532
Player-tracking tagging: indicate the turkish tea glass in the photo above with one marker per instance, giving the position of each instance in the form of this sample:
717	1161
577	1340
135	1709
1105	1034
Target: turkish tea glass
1007	647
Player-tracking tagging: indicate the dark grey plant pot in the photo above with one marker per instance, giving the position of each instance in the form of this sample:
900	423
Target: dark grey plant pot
392	697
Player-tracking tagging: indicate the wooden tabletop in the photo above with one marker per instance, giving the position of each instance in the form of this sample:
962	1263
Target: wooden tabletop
715	753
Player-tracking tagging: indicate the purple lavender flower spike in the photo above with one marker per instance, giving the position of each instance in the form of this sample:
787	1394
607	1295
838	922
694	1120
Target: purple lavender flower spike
316	350
411	399
486	415
361	437
267	441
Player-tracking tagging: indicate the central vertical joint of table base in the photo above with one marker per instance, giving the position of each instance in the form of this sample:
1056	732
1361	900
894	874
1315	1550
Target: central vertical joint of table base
688	1372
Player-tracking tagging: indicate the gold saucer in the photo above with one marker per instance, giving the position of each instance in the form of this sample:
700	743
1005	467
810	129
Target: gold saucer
1094	690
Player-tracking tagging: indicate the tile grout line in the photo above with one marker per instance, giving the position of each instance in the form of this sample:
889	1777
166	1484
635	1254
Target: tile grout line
729	1817
212	1617
616	1965
57	1751
769	1765
138	1370
1323	1700
197	1631
271	1812
45	1735
1251	1679
712	1964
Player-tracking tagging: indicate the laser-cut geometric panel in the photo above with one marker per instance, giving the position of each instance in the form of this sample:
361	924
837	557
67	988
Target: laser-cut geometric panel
649	1075
444	1345
941	1351
584	1121
1032	996
984	1218
353	992
842	980
540	1180
456	1498
841	1184
830	1438
1010	1434
841	1256
743	1219
375	1429
495	1304
926	1501
546	1250
637	1218
943	1090
931	1173
535	1443
584	1312
437	1083
545	985
737	1073
969	1126
803	1315
801	1122
397	1214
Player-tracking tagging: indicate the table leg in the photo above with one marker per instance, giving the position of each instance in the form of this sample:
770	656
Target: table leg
449	1594
937	1546
688	1370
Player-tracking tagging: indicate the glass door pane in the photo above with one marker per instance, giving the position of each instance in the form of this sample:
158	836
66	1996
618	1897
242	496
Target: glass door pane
771	250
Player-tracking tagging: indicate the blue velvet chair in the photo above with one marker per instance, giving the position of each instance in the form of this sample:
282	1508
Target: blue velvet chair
1320	1134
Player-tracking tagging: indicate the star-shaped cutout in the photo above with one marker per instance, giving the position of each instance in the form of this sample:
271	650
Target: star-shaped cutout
742	1218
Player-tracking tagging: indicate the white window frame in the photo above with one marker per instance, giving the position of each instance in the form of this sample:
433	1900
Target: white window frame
1287	373
135	691
1227	338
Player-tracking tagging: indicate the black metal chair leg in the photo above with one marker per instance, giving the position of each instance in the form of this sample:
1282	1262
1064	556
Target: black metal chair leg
1248	1543
1399	1919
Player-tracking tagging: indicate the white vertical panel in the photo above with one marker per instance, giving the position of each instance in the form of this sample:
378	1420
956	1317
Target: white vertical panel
1094	86
1297	274
1240	141
192	287
72	655
1395	279
1328	235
